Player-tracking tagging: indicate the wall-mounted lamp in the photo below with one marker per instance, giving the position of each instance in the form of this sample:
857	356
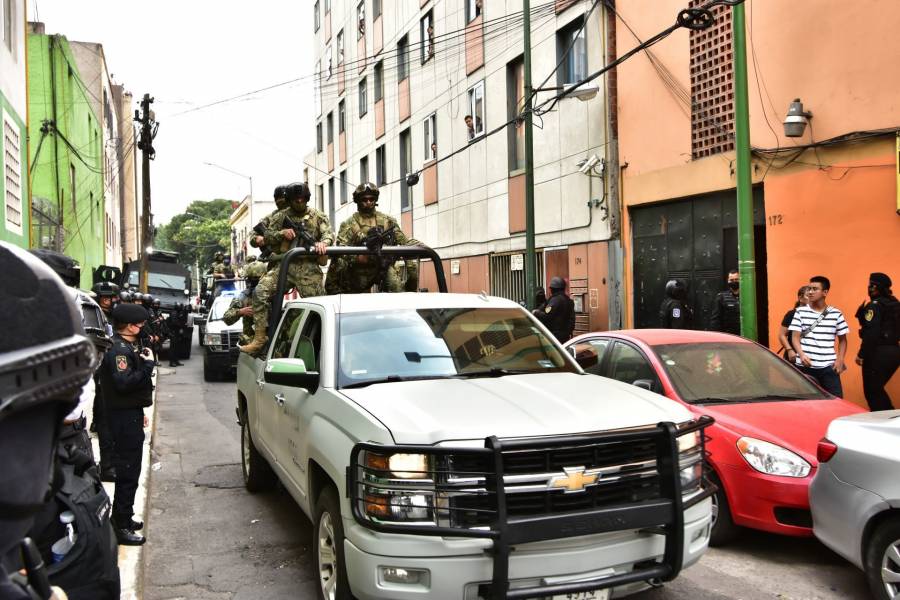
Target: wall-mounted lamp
796	119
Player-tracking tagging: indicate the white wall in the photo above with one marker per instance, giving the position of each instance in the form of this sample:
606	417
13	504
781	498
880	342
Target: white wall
471	216
12	63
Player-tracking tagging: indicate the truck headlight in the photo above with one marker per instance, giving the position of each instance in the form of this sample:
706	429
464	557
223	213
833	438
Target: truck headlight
399	487
690	461
212	339
771	459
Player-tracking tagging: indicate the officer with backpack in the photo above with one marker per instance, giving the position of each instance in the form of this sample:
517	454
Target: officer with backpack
879	354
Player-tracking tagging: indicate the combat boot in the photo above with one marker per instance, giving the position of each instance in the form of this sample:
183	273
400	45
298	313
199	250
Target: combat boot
256	344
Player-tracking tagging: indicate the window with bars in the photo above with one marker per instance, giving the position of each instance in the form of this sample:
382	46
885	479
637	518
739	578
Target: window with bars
12	174
712	86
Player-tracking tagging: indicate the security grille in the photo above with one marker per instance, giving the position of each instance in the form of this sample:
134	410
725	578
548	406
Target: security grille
712	86
509	282
12	172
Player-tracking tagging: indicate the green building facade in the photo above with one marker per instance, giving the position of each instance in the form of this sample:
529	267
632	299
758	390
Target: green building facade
67	192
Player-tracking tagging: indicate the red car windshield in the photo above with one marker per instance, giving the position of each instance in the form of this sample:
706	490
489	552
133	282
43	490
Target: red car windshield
722	372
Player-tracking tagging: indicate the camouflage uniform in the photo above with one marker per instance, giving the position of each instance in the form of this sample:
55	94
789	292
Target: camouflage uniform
349	276
304	274
232	315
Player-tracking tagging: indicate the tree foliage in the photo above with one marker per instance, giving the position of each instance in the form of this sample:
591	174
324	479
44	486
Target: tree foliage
198	233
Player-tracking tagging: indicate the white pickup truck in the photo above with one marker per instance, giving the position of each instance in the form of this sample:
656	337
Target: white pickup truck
446	446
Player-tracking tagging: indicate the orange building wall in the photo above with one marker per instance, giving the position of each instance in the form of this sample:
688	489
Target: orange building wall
838	223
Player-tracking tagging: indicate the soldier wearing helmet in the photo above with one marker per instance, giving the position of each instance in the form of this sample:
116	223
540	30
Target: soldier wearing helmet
107	295
50	357
241	306
558	313
304	274
675	313
218	266
259	240
354	275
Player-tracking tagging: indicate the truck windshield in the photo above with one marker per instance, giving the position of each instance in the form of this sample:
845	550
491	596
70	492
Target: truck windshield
219	308
443	342
159	280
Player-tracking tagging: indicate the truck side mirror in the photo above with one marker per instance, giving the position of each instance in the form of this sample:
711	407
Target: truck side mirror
291	372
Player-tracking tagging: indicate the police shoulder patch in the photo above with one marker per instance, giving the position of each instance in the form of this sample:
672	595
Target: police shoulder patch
121	362
676	312
548	309
870	314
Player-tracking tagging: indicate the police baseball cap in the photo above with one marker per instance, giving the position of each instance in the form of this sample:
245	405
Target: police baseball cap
129	313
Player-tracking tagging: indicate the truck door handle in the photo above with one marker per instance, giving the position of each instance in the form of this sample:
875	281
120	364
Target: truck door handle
279	398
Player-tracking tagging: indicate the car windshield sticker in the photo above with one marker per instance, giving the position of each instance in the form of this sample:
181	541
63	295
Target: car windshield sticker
713	363
546	364
359	371
670	362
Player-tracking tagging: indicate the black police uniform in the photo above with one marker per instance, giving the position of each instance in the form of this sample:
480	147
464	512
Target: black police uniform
879	320
676	314
558	315
726	314
127	390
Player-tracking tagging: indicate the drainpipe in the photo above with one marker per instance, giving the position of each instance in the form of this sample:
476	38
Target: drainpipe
746	253
60	228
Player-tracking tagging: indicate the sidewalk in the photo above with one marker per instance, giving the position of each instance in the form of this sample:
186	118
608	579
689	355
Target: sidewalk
131	557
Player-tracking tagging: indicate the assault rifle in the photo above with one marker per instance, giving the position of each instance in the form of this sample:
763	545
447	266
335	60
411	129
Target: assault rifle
302	237
376	238
264	250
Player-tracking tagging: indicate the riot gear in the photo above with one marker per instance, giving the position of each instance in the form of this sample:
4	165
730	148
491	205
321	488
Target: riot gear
675	289
66	267
125	297
105	289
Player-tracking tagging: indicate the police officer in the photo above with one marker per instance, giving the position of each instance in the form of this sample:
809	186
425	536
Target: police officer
558	313
107	295
53	360
127	390
176	326
241	306
879	354
304	274
726	313
125	297
357	274
675	313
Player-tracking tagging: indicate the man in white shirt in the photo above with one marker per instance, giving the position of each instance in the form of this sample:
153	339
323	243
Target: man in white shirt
812	334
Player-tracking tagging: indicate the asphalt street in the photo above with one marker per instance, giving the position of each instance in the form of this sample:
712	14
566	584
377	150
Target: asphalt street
208	539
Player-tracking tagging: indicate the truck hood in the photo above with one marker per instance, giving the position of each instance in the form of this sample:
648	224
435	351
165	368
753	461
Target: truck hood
218	326
432	411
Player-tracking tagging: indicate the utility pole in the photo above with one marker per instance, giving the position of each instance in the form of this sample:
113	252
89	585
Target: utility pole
530	275
746	250
145	145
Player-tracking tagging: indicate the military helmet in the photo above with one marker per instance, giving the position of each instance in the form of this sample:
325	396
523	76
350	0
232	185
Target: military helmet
279	192
297	190
255	270
65	266
557	283
675	289
219	256
104	289
365	190
250	259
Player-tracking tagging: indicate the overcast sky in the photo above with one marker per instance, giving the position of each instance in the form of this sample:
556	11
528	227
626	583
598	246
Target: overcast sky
190	53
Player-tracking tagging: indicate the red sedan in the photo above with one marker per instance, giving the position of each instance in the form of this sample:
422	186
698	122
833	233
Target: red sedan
769	417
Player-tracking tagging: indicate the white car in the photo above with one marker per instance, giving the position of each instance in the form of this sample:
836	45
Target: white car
220	341
446	446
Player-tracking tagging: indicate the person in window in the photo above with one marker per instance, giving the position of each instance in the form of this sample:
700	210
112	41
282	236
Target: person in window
473	126
430	41
433	149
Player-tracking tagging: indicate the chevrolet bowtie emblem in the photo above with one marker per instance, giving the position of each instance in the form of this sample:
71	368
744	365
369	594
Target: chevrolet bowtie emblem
575	479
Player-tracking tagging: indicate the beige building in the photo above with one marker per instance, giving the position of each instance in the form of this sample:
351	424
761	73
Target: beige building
396	83
129	176
242	220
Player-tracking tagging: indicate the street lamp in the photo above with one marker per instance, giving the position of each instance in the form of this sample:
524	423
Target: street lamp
248	177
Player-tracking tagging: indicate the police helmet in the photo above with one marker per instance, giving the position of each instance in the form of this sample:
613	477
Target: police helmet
137	297
65	266
675	289
366	190
557	283
156	303
255	270
105	289
45	360
147	300
125	296
296	191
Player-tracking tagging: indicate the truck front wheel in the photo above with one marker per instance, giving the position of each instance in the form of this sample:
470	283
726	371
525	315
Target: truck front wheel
328	540
258	475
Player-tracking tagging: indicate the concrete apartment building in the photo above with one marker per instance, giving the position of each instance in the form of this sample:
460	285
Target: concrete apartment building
826	202
14	213
396	81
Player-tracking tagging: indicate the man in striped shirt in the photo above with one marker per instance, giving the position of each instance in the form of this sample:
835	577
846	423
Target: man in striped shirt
813	331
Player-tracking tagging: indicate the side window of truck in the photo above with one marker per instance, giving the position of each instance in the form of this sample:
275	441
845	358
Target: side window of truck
309	342
281	347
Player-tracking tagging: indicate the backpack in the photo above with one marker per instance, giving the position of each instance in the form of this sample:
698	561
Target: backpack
90	570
